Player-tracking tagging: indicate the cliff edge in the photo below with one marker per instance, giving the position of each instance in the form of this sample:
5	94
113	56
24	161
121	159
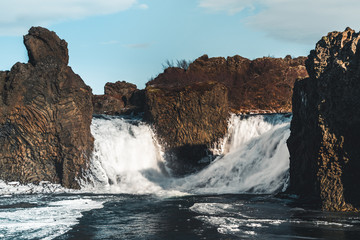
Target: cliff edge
324	147
262	85
45	115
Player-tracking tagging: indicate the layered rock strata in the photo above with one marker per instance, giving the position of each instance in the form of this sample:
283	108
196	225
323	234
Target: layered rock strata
45	115
324	146
188	121
263	85
119	98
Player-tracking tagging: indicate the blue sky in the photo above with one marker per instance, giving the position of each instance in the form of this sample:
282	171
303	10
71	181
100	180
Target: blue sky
111	40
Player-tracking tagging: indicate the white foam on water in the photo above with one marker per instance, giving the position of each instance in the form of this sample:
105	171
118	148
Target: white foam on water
12	188
231	225
45	221
127	159
242	129
212	208
228	219
259	165
326	223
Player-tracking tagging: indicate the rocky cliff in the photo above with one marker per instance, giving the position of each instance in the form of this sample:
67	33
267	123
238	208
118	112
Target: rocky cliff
189	107
119	98
188	121
324	146
263	85
45	115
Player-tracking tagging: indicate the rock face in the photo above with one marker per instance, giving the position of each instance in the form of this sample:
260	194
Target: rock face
188	120
45	115
189	107
263	85
119	98
324	145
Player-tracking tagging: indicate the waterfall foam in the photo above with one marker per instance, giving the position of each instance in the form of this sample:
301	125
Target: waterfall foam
259	165
127	159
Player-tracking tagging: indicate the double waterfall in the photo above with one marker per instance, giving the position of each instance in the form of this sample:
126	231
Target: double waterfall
253	158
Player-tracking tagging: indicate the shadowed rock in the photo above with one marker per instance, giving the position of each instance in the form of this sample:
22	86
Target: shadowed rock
45	116
119	98
324	146
188	121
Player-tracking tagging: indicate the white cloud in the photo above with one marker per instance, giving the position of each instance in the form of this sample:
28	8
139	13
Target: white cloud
229	6
138	45
111	42
18	15
302	21
143	6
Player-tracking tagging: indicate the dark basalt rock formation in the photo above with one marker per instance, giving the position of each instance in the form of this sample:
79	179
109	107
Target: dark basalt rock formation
119	98
45	115
188	121
324	146
189	107
263	85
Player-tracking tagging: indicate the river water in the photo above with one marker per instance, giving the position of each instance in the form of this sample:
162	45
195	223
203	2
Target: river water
129	193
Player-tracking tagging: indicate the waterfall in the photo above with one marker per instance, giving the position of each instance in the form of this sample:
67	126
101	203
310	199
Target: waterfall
127	159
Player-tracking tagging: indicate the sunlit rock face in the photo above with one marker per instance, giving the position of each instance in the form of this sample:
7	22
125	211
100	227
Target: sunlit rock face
262	85
45	115
189	105
324	146
119	98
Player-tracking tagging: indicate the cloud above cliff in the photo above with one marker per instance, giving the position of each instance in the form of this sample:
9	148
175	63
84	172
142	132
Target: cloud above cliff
301	21
229	6
18	15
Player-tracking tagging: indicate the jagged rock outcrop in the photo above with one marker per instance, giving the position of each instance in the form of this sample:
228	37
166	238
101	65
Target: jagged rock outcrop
263	85
188	121
324	145
45	115
189	107
119	98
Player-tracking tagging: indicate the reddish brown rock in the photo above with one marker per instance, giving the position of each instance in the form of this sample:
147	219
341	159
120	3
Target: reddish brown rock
119	98
45	46
323	145
45	116
188	121
263	85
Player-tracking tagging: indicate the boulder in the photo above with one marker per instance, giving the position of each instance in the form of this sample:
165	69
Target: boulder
188	121
263	85
45	116
45	46
119	98
323	145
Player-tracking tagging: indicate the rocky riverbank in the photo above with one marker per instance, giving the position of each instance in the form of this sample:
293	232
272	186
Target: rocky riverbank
45	115
323	145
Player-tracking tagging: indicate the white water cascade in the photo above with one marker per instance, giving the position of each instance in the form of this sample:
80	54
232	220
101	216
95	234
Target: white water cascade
127	159
256	159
